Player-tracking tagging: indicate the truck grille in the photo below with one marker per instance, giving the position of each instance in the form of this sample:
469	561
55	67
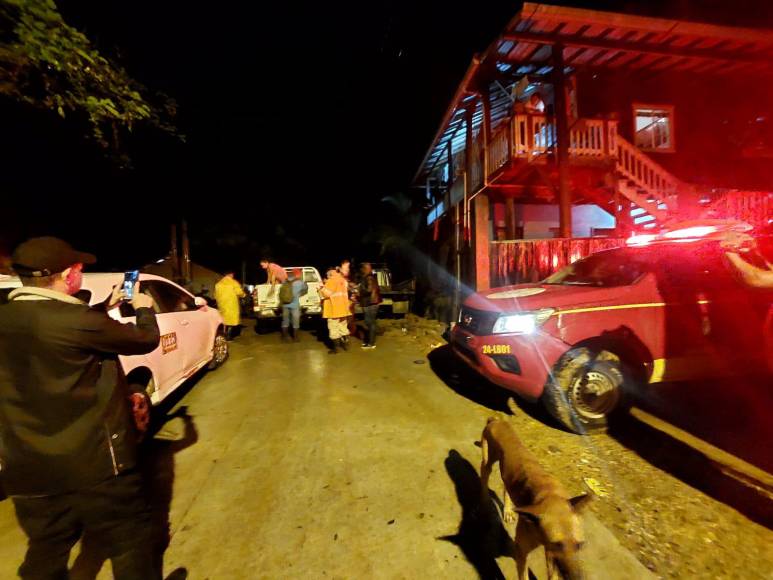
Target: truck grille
478	322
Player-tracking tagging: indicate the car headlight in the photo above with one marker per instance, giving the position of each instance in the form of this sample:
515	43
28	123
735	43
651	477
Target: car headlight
521	322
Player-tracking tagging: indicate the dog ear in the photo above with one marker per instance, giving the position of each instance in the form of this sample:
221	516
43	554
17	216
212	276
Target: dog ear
528	513
580	502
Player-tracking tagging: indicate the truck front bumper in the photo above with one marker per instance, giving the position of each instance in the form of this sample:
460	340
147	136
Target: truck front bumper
519	363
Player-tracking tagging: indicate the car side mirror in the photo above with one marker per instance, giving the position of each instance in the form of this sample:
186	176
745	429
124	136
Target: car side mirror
200	302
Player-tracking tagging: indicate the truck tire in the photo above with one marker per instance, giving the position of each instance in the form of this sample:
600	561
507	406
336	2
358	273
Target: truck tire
586	389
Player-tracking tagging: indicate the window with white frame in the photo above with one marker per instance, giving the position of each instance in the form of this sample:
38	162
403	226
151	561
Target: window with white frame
654	127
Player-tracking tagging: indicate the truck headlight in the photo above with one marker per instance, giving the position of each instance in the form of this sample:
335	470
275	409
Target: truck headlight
521	322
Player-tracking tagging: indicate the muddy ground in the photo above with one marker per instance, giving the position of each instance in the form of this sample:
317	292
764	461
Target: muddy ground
666	502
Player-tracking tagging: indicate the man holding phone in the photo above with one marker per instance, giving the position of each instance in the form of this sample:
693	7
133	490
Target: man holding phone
68	441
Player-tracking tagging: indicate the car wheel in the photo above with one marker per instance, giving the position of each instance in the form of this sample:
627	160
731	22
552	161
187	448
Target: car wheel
587	388
219	351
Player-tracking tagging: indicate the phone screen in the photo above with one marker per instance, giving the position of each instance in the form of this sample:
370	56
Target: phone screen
129	280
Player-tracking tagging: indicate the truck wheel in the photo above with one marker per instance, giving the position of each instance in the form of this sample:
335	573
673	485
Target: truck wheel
587	387
219	351
260	326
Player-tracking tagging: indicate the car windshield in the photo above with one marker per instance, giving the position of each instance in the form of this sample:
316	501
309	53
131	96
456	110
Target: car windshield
615	268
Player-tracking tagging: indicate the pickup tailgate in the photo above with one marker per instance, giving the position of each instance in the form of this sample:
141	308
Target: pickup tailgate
263	301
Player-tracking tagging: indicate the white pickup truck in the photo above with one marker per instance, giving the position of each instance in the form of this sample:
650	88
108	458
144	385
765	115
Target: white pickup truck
266	306
396	299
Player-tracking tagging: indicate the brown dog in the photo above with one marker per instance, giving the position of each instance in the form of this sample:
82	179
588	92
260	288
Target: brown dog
547	516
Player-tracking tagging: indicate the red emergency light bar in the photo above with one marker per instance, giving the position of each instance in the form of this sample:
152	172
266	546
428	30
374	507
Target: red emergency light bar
690	231
641	239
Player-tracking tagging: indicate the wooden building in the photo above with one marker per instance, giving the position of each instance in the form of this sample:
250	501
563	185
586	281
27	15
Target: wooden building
578	123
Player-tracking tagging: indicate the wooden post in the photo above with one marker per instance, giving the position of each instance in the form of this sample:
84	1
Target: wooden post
562	142
468	145
457	259
482	242
486	98
450	153
510	218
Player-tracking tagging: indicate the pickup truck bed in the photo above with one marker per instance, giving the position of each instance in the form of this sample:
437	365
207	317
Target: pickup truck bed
266	304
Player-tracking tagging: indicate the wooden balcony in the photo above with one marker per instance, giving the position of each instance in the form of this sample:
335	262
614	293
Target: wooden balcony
526	139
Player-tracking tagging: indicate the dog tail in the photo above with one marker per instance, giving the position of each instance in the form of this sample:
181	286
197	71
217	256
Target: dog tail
512	405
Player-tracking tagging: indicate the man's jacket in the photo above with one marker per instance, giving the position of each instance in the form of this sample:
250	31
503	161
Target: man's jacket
65	420
369	292
335	294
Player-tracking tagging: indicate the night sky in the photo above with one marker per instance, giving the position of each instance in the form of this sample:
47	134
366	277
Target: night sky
299	118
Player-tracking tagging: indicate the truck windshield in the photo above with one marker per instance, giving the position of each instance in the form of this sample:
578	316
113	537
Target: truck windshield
616	268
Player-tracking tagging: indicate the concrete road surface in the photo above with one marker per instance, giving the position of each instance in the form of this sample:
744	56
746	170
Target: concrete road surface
298	464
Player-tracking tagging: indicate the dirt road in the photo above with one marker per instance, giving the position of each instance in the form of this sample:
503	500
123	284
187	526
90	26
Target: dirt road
292	463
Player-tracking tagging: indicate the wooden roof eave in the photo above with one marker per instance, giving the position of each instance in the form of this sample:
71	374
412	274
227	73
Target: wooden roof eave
461	92
579	41
533	11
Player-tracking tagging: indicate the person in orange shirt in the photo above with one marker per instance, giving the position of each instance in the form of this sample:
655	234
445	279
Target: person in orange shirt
351	323
335	308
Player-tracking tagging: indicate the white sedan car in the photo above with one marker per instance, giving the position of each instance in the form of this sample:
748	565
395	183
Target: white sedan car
192	333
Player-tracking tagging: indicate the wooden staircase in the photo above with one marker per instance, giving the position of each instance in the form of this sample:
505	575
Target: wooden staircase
646	194
648	190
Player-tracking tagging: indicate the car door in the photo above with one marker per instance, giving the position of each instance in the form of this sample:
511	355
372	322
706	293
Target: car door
708	313
686	320
736	312
194	333
168	359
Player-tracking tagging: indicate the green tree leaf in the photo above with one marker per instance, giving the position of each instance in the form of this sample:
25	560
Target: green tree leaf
48	64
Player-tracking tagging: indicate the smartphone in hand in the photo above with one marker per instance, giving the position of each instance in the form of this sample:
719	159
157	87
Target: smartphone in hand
129	281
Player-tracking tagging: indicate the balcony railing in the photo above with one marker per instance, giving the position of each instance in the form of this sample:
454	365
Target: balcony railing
499	147
532	137
647	175
753	207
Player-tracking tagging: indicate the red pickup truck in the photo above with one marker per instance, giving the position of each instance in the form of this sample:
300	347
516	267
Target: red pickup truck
666	307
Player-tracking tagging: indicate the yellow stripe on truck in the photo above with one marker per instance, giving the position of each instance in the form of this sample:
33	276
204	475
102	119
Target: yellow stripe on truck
615	307
622	307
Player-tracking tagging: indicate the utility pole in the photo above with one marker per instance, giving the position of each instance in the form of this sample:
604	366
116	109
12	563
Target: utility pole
562	142
186	265
174	256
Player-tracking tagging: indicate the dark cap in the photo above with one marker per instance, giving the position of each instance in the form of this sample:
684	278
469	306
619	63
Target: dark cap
47	256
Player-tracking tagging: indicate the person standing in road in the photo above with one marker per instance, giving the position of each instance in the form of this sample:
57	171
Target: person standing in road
276	274
227	294
68	440
346	270
369	297
335	308
290	296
